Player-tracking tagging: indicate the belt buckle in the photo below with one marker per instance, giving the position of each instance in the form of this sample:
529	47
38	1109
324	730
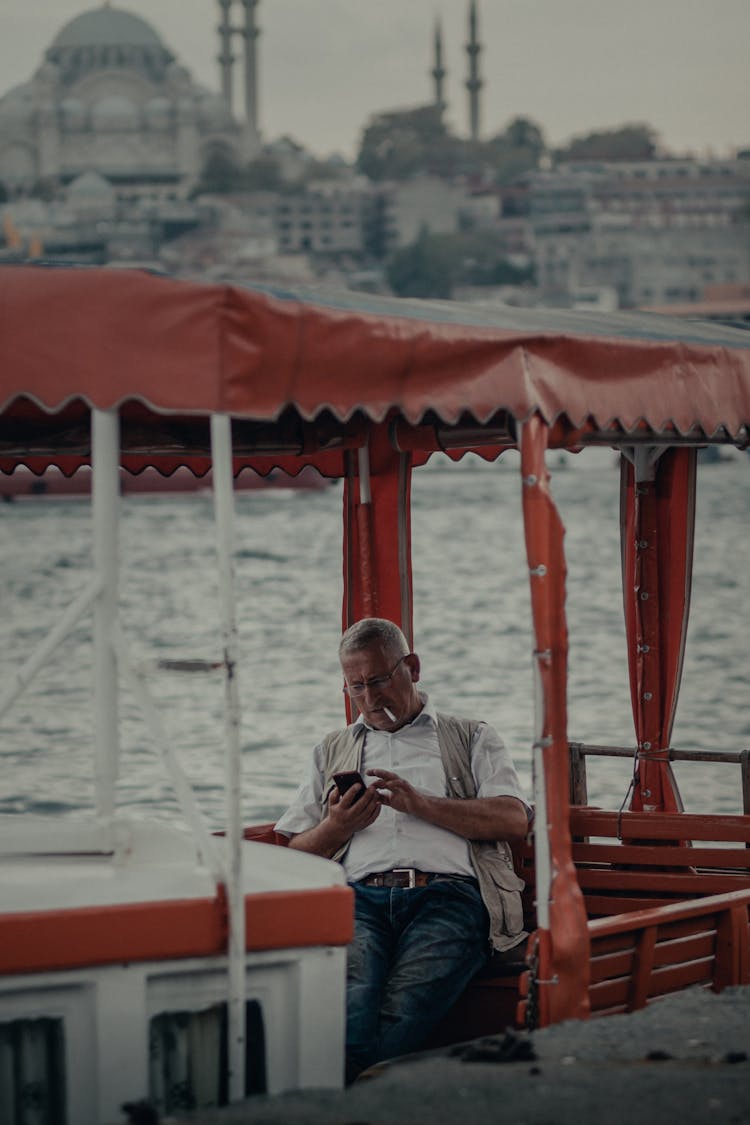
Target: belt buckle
407	871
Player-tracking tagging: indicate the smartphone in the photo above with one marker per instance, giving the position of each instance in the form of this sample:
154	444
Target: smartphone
345	780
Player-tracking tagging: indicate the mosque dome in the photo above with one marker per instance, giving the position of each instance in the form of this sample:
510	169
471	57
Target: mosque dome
91	185
107	37
91	196
106	27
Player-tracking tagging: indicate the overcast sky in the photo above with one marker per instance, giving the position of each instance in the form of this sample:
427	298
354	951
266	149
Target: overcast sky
573	66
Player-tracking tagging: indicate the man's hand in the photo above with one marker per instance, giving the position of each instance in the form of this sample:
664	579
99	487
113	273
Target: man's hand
346	815
475	818
354	811
398	793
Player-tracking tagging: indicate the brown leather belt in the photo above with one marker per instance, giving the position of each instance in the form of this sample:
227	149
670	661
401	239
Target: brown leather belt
407	877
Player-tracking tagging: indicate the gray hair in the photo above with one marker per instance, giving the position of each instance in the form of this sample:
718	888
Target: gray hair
373	630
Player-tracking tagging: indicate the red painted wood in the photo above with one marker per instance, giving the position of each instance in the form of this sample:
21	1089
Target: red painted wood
158	931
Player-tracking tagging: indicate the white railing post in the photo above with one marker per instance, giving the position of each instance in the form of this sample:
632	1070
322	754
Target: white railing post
221	448
206	846
105	455
20	678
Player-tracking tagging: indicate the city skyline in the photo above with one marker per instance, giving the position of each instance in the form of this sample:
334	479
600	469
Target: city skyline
327	65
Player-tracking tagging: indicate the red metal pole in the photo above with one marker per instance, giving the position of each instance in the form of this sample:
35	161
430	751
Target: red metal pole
561	944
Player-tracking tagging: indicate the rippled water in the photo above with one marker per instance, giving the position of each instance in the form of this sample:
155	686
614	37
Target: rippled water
472	627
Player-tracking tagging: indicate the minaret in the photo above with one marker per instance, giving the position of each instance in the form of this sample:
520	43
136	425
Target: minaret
438	71
226	58
250	35
473	82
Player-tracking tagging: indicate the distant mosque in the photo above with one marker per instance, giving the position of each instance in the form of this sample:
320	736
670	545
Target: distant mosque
111	99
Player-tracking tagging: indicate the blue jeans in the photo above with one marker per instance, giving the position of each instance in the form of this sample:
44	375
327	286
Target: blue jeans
413	953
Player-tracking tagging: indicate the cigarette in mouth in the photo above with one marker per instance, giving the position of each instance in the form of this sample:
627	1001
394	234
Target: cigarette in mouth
390	714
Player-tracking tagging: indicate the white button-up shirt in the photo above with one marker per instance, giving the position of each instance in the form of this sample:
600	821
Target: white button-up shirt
398	839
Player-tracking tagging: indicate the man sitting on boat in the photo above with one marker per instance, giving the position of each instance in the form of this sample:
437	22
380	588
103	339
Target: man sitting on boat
425	846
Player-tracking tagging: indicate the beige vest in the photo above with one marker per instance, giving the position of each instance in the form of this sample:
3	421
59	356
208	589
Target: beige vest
492	859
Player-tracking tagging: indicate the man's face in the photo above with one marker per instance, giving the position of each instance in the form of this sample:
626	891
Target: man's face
398	693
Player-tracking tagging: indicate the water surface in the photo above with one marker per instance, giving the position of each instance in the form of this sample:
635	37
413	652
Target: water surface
472	628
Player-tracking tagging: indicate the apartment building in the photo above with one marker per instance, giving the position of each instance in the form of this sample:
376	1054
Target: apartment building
656	232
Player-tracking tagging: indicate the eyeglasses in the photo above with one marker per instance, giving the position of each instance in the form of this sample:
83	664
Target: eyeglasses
375	684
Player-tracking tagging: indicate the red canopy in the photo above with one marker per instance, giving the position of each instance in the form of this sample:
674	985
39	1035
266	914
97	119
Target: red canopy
101	337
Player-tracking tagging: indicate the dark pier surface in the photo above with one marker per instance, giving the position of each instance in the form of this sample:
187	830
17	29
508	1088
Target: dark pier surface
685	1059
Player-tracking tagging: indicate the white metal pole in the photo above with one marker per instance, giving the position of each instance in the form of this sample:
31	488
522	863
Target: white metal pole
205	843
221	448
19	680
363	460
105	451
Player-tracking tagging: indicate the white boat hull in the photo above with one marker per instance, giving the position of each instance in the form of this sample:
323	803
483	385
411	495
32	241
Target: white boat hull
149	891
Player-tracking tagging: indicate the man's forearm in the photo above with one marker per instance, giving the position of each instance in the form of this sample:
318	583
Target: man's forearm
353	812
476	818
322	840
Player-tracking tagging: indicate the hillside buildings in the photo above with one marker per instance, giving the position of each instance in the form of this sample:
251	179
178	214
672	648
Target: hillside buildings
654	232
111	135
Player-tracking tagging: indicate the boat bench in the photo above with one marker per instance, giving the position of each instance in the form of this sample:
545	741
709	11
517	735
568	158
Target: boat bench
643	954
632	861
661	916
667	896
